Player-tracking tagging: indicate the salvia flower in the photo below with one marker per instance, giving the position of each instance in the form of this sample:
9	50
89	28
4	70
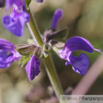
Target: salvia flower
15	22
32	68
79	64
7	53
56	17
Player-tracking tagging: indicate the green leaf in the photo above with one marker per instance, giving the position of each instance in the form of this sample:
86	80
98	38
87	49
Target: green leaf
58	36
25	49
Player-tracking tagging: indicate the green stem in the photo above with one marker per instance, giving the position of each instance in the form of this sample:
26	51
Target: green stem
47	61
34	28
53	76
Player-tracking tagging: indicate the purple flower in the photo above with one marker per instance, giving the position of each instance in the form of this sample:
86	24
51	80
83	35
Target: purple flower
15	22
79	64
32	68
7	53
40	1
57	16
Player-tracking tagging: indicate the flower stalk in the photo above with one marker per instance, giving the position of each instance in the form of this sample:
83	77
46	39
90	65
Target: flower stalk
34	28
47	61
53	76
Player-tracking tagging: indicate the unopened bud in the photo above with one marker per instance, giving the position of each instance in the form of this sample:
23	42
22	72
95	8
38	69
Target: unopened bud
57	16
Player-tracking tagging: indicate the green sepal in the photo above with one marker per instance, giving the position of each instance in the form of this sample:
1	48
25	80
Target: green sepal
45	47
45	50
24	60
58	36
45	54
25	49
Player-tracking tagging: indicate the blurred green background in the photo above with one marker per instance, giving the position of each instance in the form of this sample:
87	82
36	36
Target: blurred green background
83	18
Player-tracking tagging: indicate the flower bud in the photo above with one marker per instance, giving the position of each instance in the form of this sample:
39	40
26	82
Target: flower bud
57	16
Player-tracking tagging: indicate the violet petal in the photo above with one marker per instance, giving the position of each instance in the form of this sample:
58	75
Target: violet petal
65	53
32	68
79	43
80	64
14	26
7	53
57	16
6	45
16	21
4	65
6	57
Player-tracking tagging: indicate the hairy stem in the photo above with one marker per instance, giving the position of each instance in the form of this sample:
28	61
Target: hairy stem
34	28
47	61
53	76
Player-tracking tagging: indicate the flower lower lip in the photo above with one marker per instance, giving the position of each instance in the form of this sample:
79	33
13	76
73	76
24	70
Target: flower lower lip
6	20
